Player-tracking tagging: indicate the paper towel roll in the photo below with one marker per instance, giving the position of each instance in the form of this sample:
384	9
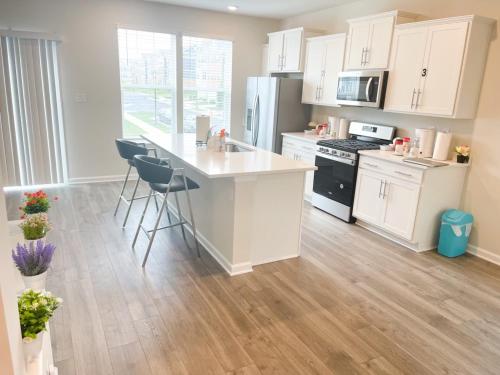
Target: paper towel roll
202	128
426	141
443	142
343	128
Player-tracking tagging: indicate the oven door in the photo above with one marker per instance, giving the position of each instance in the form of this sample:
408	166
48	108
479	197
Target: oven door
361	88
335	179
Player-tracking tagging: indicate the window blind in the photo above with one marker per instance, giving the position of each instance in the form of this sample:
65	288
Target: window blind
31	129
207	71
148	81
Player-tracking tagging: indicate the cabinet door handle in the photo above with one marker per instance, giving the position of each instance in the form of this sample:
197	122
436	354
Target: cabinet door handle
363	56
380	189
383	191
283	63
366	56
404	174
413	98
372	165
418	97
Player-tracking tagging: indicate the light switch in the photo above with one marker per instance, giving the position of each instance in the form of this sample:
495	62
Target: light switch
81	97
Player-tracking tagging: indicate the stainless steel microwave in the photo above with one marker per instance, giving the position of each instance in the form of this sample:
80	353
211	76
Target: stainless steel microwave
364	88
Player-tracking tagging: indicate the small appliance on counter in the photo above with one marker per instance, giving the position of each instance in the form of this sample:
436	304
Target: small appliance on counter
442	146
426	139
337	162
362	88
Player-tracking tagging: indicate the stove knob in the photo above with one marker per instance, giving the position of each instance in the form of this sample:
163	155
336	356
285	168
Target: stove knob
342	154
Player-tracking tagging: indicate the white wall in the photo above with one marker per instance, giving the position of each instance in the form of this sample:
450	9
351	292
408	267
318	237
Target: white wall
11	355
481	192
89	63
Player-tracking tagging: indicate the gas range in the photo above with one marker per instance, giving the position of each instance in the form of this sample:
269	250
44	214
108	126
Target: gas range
345	148
337	162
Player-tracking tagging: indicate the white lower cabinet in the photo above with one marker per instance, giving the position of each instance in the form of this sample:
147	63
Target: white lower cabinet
405	203
296	149
400	201
387	202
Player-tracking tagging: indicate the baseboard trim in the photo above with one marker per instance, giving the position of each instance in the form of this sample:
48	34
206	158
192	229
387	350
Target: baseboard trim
276	259
96	179
484	254
231	269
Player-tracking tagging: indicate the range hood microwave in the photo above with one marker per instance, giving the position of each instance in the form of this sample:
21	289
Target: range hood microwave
365	88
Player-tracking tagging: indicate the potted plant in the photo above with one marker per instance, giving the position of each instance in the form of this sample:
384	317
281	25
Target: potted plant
35	203
35	226
463	153
35	310
33	261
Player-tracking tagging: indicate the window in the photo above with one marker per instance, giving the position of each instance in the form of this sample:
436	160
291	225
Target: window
148	81
207	67
149	67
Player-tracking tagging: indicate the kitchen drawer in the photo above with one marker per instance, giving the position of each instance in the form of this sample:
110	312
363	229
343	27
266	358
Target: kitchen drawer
294	142
392	169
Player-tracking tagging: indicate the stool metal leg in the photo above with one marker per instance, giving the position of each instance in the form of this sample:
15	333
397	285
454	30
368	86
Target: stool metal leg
160	213
131	201
123	189
179	213
191	214
142	218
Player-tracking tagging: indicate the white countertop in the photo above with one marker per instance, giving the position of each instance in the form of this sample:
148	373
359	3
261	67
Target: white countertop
224	164
312	138
389	156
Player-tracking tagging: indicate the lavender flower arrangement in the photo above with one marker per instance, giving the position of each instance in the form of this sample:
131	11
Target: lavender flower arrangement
33	259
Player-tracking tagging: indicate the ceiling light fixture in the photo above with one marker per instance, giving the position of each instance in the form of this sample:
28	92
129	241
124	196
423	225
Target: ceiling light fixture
232	8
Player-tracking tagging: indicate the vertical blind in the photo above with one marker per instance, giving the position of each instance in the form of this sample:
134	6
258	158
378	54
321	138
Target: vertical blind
207	71
148	81
31	132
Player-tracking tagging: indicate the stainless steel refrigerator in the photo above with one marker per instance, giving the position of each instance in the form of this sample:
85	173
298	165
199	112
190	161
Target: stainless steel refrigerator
273	106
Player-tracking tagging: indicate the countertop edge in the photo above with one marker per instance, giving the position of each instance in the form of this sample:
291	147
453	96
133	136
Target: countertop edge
237	174
389	157
313	139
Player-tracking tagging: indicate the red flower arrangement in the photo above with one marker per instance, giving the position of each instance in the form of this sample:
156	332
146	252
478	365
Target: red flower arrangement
34	203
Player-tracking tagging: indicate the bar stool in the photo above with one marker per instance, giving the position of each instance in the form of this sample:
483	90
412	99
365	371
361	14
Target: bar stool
163	179
127	150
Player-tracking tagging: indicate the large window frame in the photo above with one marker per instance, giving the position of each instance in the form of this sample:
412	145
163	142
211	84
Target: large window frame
178	125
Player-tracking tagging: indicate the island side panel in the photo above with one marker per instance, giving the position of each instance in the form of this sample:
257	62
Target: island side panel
213	212
267	218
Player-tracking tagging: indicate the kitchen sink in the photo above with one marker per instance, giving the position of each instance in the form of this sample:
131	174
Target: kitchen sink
233	147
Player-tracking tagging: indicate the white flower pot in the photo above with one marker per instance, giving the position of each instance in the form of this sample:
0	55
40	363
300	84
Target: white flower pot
35	282
32	348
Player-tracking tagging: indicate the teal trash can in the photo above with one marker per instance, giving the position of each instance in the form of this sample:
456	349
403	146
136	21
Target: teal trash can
454	233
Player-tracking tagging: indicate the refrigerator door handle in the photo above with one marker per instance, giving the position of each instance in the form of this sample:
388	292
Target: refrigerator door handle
254	106
257	120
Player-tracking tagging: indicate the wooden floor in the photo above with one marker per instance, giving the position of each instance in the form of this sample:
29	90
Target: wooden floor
353	303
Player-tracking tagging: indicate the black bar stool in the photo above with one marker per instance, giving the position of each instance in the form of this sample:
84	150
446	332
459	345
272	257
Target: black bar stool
163	179
127	150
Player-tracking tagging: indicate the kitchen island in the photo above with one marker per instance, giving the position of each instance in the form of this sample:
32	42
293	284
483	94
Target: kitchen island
249	206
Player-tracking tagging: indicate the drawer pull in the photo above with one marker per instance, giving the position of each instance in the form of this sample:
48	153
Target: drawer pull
404	174
371	165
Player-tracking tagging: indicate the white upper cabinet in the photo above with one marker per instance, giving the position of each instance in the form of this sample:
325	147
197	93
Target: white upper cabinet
357	42
275	52
441	69
369	40
436	67
286	50
324	60
292	50
408	50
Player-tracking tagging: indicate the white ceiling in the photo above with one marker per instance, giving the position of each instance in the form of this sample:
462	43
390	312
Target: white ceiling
261	8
